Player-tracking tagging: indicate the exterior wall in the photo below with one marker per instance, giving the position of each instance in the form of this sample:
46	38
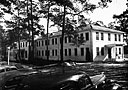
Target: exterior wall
67	46
24	44
103	44
110	49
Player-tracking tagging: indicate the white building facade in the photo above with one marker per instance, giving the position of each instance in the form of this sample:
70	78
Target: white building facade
101	44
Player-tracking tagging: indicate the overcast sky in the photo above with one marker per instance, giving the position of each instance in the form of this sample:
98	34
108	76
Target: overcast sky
106	14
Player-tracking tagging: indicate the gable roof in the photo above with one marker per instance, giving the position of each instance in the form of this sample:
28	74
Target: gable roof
105	29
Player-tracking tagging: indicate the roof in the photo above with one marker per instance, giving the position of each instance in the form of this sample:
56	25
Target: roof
86	28
101	28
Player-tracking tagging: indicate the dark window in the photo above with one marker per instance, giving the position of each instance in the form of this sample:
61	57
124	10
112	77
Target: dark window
87	36
109	37
42	53
39	43
69	50
65	52
82	51
56	52
45	42
81	35
116	52
65	39
20	44
119	50
69	39
45	52
60	40
39	53
84	83
119	38
75	51
97	35
102	36
52	52
42	42
102	51
23	44
26	44
115	37
55	40
97	51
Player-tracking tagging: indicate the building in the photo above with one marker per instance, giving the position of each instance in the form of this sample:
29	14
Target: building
101	44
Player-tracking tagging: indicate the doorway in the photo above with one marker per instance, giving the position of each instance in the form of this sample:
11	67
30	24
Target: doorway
109	53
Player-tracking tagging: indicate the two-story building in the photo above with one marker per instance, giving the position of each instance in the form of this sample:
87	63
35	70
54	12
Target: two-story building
101	44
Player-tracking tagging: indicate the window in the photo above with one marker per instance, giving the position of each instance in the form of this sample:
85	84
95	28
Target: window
84	83
45	42
81	35
115	37
102	36
97	51
119	37
23	44
65	52
75	51
39	43
56	52
109	37
116	52
69	39
45	52
97	35
82	51
60	40
102	51
55	40
65	39
69	50
87	36
20	44
52	52
119	50
42	42
26	44
39	52
42	53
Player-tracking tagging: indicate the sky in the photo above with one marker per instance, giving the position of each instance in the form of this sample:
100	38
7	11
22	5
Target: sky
105	14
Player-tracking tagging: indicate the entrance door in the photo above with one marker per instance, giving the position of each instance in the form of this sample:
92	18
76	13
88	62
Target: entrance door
109	53
88	56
